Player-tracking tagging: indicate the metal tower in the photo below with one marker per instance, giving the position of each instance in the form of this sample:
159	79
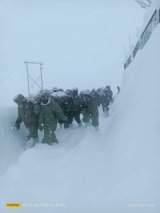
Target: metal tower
38	82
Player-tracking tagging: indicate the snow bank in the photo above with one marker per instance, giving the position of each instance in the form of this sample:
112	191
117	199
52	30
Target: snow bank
11	142
134	130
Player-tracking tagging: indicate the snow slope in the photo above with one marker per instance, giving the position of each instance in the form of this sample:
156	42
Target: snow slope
10	141
114	170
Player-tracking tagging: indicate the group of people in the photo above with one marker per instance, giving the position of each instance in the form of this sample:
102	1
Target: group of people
49	107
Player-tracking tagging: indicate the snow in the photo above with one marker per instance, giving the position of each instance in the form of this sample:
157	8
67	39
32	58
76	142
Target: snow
114	170
58	94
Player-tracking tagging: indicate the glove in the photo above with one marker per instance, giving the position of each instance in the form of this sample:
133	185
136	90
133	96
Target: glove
13	128
17	126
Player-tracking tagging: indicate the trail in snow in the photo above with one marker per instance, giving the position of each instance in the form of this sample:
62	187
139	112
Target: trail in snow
12	142
77	157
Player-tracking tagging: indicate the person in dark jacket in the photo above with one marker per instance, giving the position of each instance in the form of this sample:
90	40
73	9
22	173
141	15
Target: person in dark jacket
67	107
109	92
77	106
27	116
90	109
118	89
105	100
49	113
96	96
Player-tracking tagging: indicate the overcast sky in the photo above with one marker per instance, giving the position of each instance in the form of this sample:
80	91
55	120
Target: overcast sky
80	42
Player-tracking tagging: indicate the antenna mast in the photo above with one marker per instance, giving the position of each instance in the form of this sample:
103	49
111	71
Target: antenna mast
30	80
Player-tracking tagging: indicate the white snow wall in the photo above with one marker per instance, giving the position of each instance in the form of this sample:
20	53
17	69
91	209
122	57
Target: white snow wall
134	130
10	141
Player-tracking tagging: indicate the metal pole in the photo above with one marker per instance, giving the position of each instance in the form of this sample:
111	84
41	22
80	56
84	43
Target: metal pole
27	78
41	67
